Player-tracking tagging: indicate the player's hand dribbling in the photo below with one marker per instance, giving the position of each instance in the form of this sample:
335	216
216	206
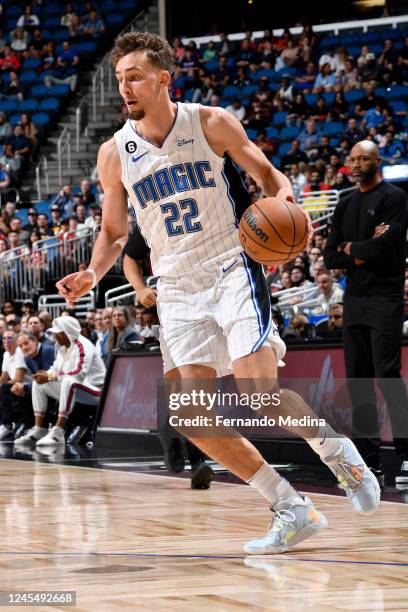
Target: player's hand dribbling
147	297
310	230
74	286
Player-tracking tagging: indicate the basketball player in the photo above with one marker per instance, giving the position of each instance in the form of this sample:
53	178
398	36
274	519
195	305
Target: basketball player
175	162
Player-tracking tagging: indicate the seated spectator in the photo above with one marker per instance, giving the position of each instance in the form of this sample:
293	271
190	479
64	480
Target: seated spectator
87	197
374	117
288	57
37	356
211	53
30	130
55	222
265	144
285	91
28	308
205	89
349	78
328	57
241	78
307	78
9	60
13	371
21	144
333	326
392	151
106	326
66	68
77	365
43	226
236	109
27	20
94	26
6	129
299	327
122	330
308	137
295	155
13	322
4	179
316	183
65	201
15	90
298	180
81	214
298	110
329	292
325	150
325	80
341	182
189	64
19	39
91	221
37	328
76	29
11	162
67	17
46	320
9	307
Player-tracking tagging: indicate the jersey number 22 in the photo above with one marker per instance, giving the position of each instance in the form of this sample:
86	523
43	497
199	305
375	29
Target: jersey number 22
177	224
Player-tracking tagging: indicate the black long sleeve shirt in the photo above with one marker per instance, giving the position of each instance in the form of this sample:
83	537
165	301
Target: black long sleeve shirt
354	220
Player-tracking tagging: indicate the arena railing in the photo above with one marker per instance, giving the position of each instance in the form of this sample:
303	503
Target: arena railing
55	304
63	152
81	121
115	296
41	175
364	25
320	205
24	272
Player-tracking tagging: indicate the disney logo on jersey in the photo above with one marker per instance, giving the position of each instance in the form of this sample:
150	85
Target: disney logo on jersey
180	142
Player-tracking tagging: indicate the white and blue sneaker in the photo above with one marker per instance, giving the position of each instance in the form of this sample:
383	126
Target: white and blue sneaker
294	520
357	480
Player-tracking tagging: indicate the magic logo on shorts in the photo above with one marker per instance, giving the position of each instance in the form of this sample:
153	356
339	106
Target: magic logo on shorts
175	179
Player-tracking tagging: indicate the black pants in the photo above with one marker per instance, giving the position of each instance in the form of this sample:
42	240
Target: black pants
15	409
167	435
372	333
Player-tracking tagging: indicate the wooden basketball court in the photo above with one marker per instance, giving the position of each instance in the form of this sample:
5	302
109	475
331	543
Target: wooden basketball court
127	541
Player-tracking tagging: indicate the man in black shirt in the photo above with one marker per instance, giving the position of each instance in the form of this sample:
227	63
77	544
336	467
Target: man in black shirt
368	239
136	252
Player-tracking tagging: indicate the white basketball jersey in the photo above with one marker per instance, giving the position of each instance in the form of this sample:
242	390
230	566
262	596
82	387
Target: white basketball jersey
187	200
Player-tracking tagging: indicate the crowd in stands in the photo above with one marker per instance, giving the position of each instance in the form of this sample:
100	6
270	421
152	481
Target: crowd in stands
39	362
305	101
42	50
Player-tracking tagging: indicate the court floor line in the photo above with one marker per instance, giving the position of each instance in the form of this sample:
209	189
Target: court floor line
280	557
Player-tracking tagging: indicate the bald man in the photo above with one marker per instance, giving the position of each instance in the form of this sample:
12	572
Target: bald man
368	239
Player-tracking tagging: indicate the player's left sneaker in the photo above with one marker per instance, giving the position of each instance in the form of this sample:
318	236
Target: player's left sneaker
357	480
294	520
55	436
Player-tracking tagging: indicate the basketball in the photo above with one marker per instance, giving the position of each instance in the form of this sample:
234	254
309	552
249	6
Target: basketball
273	231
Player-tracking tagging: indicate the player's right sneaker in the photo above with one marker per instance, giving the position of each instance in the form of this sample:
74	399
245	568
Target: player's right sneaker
294	520
357	480
32	436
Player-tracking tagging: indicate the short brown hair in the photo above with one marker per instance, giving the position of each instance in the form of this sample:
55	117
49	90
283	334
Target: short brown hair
157	48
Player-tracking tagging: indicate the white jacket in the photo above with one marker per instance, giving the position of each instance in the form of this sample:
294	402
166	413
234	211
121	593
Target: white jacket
80	359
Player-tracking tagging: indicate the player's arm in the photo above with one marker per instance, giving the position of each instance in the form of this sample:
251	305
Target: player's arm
226	136
133	272
114	230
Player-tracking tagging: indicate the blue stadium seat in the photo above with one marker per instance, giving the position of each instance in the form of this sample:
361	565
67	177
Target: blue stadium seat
284	148
398	106
50	105
397	92
231	91
230	62
272	132
22	213
40	91
329	97
287	71
331	128
393	34
14	119
276	161
354	51
108	7
188	94
350	39
60	35
211	65
280	118
128	5
43	206
28	77
330	41
11	24
28	106
114	20
8	106
248	90
355	95
31	63
13	11
369	37
52	9
58	91
41	119
86	47
52	22
289	133
376	49
252	134
311	99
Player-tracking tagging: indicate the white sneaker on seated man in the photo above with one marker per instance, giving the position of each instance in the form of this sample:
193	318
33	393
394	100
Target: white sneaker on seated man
77	366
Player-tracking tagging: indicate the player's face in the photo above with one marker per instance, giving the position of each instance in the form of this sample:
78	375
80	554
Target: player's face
140	83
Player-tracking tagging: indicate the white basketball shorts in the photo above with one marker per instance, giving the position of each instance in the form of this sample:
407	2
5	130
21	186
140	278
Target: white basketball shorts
215	318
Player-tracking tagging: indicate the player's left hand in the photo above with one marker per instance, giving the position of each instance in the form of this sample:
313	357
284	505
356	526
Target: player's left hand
74	286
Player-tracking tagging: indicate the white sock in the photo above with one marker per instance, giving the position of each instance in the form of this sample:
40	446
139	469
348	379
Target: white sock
326	443
271	485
